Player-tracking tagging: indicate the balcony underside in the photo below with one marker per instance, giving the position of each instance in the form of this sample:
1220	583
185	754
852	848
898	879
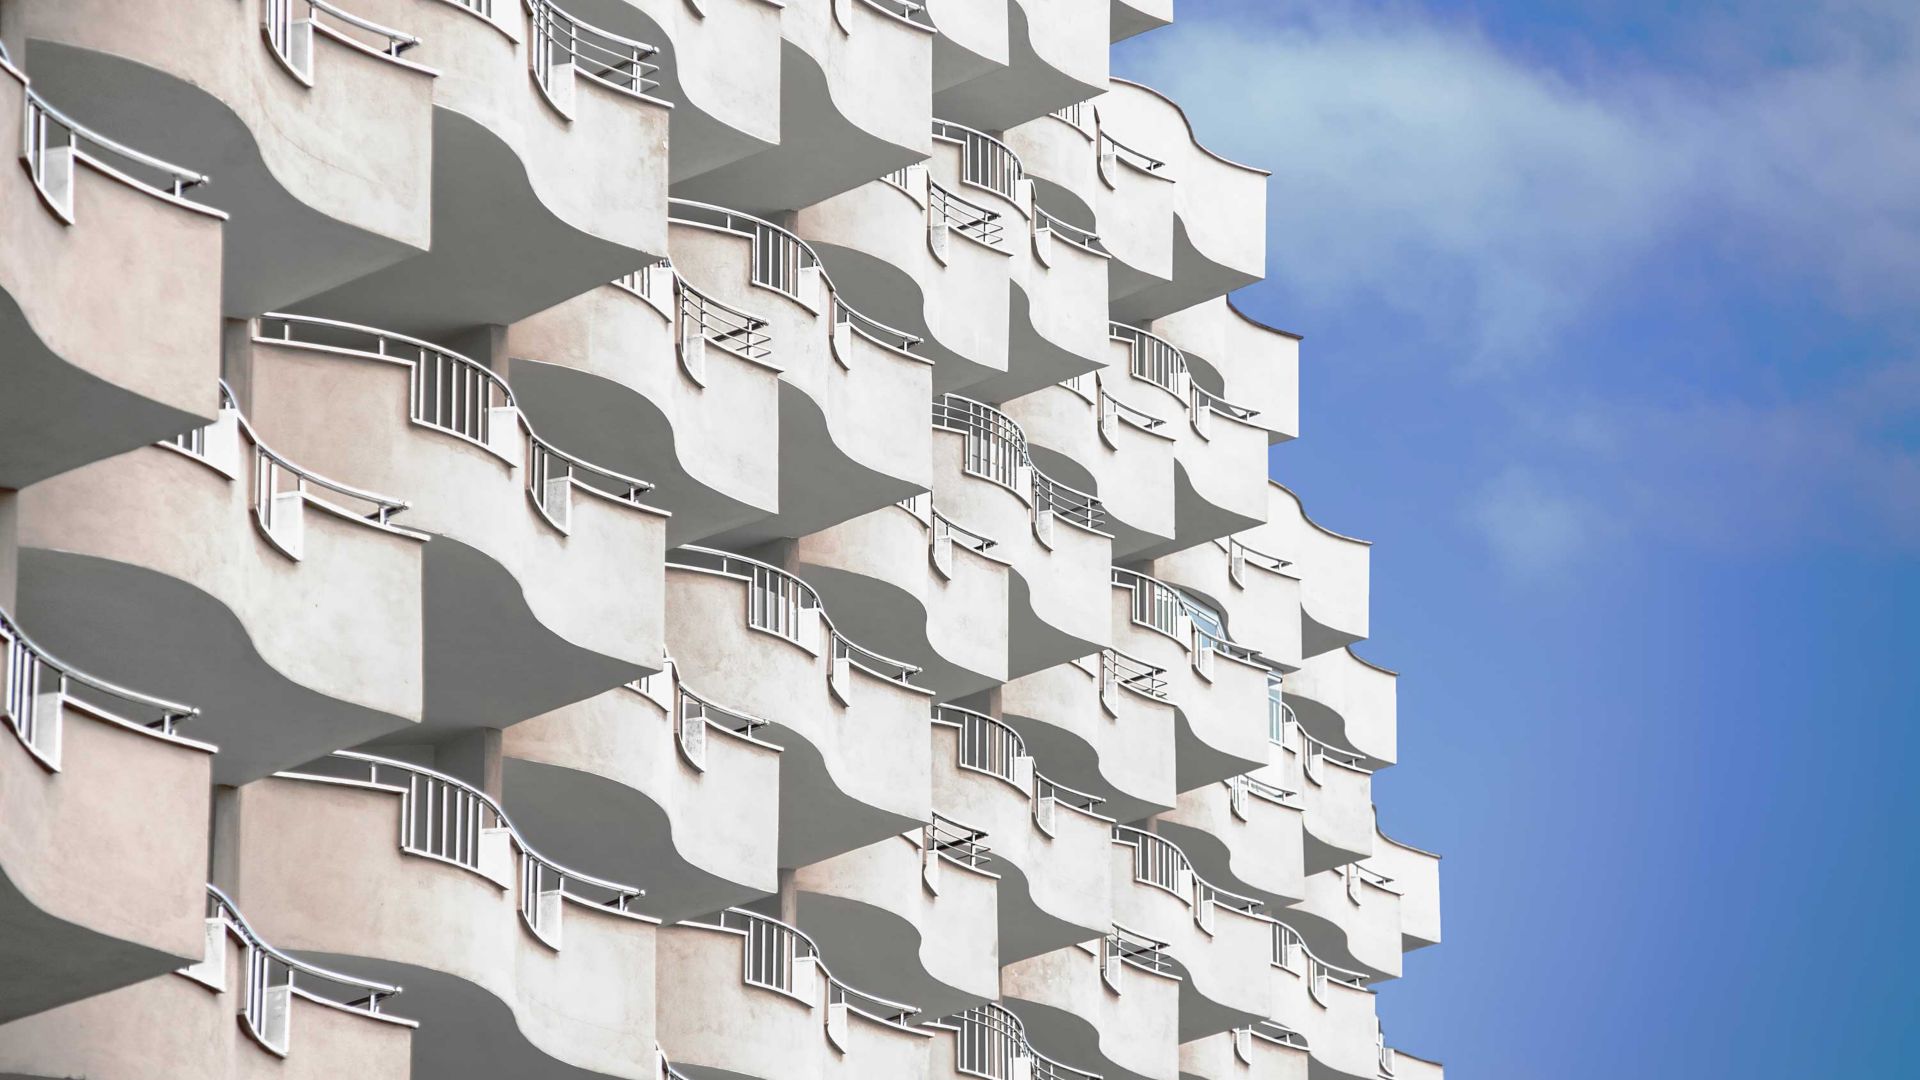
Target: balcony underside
50	962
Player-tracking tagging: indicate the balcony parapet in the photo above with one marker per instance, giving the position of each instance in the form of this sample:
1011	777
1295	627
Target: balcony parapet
1105	724
39	689
996	450
1248	358
1333	570
1350	703
1112	1002
990	1040
1415	874
1335	789
1023	64
1255	594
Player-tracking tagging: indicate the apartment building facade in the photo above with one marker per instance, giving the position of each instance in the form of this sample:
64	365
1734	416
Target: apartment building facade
663	538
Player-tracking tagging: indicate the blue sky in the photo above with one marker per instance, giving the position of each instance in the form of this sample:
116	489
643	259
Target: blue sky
1612	317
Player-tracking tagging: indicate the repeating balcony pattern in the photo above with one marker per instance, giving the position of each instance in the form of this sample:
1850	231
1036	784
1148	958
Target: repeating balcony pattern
592	511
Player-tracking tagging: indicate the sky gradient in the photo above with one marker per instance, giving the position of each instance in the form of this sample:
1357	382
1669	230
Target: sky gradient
1612	347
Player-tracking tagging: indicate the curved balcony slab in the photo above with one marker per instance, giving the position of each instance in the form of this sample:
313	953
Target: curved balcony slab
1135	202
1326	1008
856	86
1111	1005
94	371
1263	1051
1049	841
296	1021
1215	940
1061	157
605	371
519	614
1408	1067
692	790
1079	433
972	42
936	593
1050	533
1351	917
287	608
549	168
925	263
1335	790
330	157
1244	834
1415	874
1056	54
1349	704
97	889
1334	571
914	916
1220	206
748	973
510	962
1219	688
1103	724
719	64
1255	364
1131	17
849	386
855	761
1256	594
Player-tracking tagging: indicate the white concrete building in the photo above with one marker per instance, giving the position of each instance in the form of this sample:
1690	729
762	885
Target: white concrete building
662	538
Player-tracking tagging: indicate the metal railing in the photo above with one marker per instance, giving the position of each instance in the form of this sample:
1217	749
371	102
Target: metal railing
774	954
910	10
703	316
1072	234
639	282
1289	949
52	144
1387	1061
954	841
869	327
782	604
1244	785
1131	947
269	973
36	684
964	216
1203	398
1161	863
1274	1032
1111	406
985	161
985	744
1283	726
1117	669
1154	359
1163	608
558	39
778	258
996	450
1122	152
445	818
1240	555
291	38
1076	114
990	1041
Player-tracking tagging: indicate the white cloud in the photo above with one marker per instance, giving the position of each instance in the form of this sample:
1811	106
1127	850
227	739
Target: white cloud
1535	529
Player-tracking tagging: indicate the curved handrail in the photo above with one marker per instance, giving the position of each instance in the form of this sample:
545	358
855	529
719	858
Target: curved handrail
775	599
1072	234
1287	942
955	841
1281	719
1139	159
559	37
22	691
911	12
1224	160
1277	1033
1158	861
1133	947
990	1039
262	956
444	817
1121	670
985	162
939	526
772	950
459	396
1165	608
867	326
996	450
1117	408
291	39
992	746
964	216
1239	554
52	142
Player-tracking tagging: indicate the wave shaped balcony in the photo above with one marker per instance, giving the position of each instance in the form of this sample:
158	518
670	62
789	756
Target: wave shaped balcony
519	614
1052	534
1335	789
856	85
93	895
1049	840
1334	571
1351	916
1058	268
1219	452
1262	1051
746	995
319	129
1255	594
693	790
549	167
1055	53
907	575
92	371
849	384
1214	939
652	377
1244	833
1219	206
1416	875
719	64
1064	166
1082	433
1255	364
991	1041
1349	704
220	569
855	761
1405	1066
923	258
1326	1008
293	1015
1111	1005
511	962
914	916
1104	724
1218	686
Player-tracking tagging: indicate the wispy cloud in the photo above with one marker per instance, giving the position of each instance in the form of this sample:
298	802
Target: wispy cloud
1537	529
